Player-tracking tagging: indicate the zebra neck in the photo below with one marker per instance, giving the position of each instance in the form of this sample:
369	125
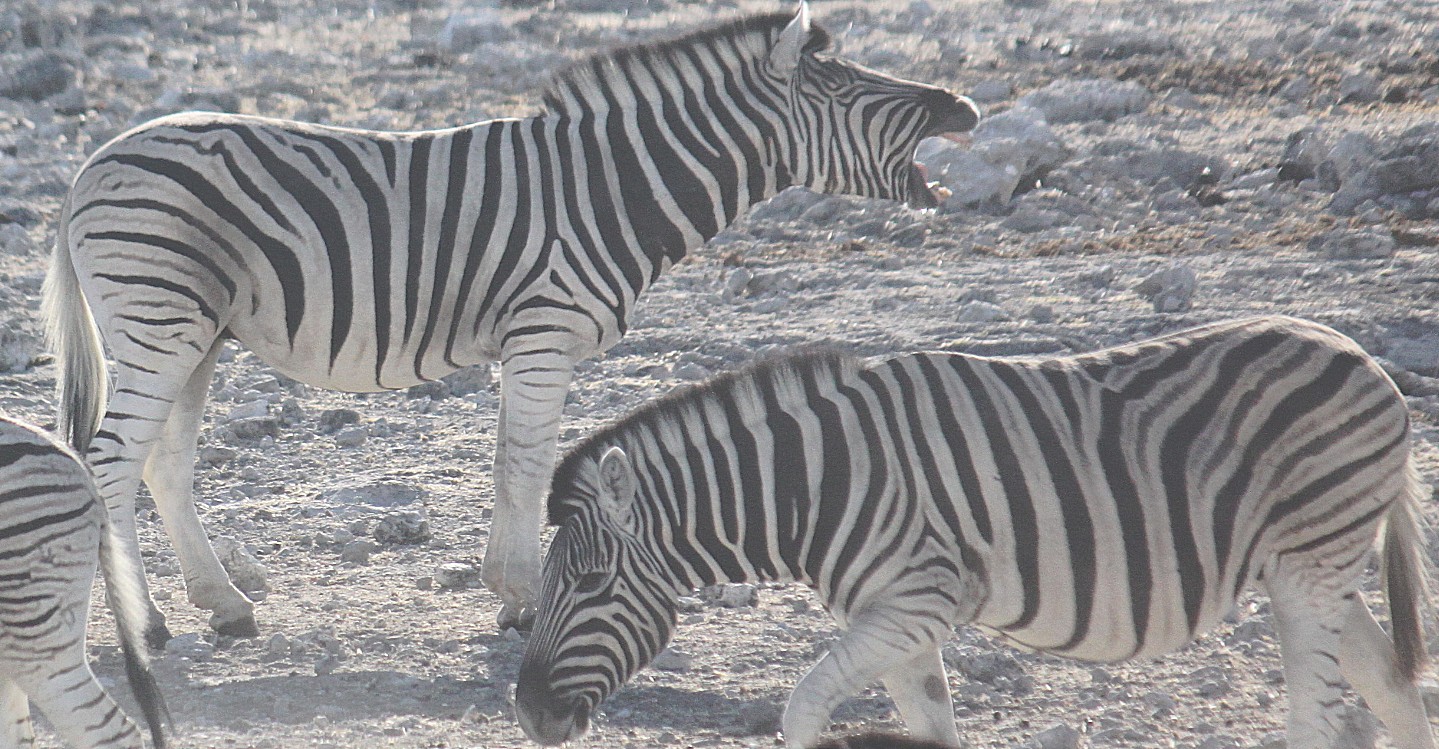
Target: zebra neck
678	182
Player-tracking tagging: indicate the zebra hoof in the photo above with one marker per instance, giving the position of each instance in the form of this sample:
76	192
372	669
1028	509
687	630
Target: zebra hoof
245	626
156	635
521	618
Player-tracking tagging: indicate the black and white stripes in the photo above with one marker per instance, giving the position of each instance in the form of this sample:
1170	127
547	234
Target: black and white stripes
367	261
1104	507
52	535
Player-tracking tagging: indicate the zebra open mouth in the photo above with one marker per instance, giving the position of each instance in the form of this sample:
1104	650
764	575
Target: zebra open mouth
923	192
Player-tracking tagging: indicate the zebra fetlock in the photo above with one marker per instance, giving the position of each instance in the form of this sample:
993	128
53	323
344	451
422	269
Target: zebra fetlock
53	535
368	261
1103	507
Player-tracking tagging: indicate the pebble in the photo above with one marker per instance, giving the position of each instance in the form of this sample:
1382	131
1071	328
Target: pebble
192	645
1171	289
332	419
1058	736
352	436
254	428
1088	100
377	494
457	575
690	371
244	569
40	76
670	659
733	595
981	312
736	283
277	646
405	527
434	390
251	410
358	551
472	379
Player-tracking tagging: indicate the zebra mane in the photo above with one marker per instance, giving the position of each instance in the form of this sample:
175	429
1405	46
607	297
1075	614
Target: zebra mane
585	79
579	465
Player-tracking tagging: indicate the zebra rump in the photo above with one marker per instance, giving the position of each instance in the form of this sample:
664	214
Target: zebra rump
1103	506
53	533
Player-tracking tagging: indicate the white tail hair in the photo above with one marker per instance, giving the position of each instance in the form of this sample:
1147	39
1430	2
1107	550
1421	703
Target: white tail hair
82	384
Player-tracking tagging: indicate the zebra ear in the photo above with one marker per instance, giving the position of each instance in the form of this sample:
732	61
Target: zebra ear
784	56
617	488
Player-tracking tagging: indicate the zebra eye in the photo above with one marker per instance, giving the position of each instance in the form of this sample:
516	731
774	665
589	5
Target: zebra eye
591	582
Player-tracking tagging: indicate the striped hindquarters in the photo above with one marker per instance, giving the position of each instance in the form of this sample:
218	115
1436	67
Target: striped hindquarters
1130	494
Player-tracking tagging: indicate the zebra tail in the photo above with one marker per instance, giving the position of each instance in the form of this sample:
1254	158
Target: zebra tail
1405	579
81	382
127	602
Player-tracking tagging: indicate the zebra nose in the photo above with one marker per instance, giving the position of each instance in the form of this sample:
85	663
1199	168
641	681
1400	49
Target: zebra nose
949	112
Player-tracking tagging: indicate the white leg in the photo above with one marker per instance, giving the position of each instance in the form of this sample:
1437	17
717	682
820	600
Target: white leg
170	474
15	730
869	650
79	709
1368	661
921	692
532	400
1311	606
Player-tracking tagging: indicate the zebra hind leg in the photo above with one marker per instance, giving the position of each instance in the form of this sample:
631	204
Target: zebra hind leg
1368	661
170	474
15	729
1311	605
921	692
84	715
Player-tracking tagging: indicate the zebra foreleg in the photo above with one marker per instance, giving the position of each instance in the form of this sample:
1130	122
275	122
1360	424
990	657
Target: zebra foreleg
15	729
865	654
532	401
170	474
1367	660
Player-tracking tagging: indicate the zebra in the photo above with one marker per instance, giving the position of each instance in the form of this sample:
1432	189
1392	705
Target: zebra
53	532
368	261
1103	507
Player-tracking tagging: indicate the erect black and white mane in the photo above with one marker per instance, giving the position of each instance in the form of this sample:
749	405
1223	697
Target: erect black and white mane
609	76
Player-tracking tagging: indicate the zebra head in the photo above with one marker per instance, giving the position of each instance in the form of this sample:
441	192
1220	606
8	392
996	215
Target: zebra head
604	611
854	131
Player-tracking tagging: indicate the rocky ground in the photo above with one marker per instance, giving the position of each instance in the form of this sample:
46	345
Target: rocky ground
1145	166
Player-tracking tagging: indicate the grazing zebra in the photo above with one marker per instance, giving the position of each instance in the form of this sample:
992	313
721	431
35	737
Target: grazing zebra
1103	507
368	261
52	533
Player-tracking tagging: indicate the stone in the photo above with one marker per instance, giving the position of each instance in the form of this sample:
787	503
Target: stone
18	347
191	645
434	390
1356	244
736	283
332	419
277	646
1010	149
981	312
457	575
1059	736
352	436
15	240
250	410
376	494
733	595
255	428
1170	289
990	91
245	570
472	379
472	27
39	76
405	528
690	371
358	551
1105	99
670	659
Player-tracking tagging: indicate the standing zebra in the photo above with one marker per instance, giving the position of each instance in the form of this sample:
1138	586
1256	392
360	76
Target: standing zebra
1102	507
52	533
368	261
